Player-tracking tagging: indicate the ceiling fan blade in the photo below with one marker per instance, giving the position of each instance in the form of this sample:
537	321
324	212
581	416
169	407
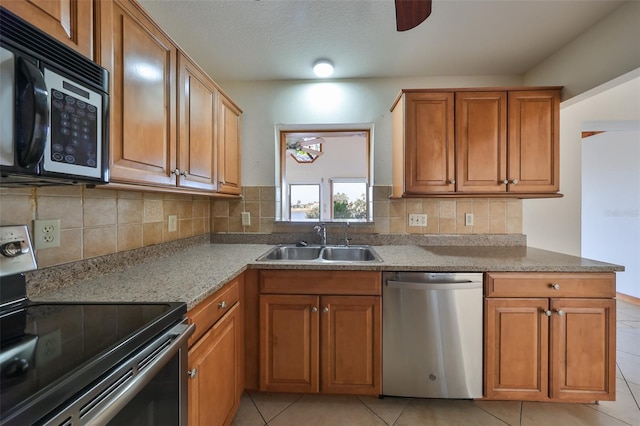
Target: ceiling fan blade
411	13
311	151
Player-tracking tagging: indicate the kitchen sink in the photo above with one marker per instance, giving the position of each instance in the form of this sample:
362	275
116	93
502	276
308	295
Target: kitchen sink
318	253
349	254
292	253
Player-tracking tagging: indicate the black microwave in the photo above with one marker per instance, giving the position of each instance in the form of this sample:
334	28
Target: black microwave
55	109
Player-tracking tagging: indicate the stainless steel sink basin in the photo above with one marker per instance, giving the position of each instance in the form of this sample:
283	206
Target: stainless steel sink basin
316	253
349	254
291	253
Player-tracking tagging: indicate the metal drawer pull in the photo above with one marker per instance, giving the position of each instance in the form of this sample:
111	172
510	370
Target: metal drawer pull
325	309
505	181
547	313
555	286
222	305
192	373
560	312
314	309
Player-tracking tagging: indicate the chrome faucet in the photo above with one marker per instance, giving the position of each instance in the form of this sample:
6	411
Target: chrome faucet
346	234
321	230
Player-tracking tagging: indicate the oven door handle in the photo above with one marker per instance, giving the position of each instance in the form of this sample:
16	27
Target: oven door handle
120	397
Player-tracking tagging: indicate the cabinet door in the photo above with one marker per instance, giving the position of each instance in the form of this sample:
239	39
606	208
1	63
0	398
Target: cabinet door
69	21
516	349
534	132
142	63
481	141
583	345
351	344
229	165
429	143
289	338
213	390
197	156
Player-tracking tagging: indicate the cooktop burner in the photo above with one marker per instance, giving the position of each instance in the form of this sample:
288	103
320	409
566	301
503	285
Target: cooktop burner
48	348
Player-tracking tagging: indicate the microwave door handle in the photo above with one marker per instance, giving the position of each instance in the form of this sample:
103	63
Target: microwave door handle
33	114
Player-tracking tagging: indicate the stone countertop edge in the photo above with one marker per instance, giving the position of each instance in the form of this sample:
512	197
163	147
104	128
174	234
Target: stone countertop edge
194	273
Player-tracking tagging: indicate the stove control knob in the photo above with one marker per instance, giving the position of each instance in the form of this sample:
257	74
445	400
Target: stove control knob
16	367
13	249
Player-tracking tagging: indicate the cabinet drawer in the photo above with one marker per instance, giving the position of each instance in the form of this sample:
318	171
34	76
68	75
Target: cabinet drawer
526	284
206	313
320	282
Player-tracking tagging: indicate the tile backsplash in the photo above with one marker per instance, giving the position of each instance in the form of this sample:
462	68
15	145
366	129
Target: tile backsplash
444	215
98	222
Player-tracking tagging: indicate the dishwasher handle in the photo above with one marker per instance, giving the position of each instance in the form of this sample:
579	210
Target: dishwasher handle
456	285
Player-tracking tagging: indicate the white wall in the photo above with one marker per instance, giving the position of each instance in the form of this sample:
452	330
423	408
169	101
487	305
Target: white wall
611	199
555	224
607	50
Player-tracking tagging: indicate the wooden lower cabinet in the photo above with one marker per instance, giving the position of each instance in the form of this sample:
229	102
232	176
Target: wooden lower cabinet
216	359
550	349
313	343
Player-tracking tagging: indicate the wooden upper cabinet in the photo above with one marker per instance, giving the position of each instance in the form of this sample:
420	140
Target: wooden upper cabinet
69	21
423	150
481	141
198	103
534	134
229	163
142	63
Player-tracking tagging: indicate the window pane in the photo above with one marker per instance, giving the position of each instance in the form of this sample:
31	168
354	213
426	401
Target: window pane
304	203
349	201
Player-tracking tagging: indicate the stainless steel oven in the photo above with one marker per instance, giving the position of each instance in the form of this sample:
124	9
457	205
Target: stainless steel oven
87	363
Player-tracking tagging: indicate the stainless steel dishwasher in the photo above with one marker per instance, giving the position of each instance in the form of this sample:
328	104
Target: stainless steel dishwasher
432	335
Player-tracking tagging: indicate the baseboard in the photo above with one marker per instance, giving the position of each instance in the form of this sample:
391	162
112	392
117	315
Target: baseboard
627	298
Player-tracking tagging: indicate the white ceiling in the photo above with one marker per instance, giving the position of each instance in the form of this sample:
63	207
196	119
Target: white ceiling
280	39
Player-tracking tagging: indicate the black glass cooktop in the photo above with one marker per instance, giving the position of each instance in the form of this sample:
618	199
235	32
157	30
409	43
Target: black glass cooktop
50	351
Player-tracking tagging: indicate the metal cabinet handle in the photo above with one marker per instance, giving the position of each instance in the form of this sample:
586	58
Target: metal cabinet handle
555	286
175	172
222	305
325	309
547	312
560	312
184	173
222	182
192	373
314	309
505	181
452	181
515	182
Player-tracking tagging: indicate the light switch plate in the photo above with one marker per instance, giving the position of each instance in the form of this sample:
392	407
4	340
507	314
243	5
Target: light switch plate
417	220
173	223
468	219
246	218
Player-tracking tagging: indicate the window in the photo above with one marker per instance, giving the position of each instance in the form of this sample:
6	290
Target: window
324	175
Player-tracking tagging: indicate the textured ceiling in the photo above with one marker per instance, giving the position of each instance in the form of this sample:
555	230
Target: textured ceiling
280	39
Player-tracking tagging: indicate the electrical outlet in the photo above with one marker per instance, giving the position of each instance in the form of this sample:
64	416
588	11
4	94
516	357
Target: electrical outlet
417	220
246	218
468	219
173	223
46	233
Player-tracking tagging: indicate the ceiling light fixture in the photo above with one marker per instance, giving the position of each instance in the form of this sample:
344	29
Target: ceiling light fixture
323	68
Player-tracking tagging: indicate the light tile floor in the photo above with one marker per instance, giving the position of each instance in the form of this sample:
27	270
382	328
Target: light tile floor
275	409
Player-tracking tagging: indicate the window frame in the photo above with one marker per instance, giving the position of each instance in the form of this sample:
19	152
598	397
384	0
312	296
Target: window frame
283	195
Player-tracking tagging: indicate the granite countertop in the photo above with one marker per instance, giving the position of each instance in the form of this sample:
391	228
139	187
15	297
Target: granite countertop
194	273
